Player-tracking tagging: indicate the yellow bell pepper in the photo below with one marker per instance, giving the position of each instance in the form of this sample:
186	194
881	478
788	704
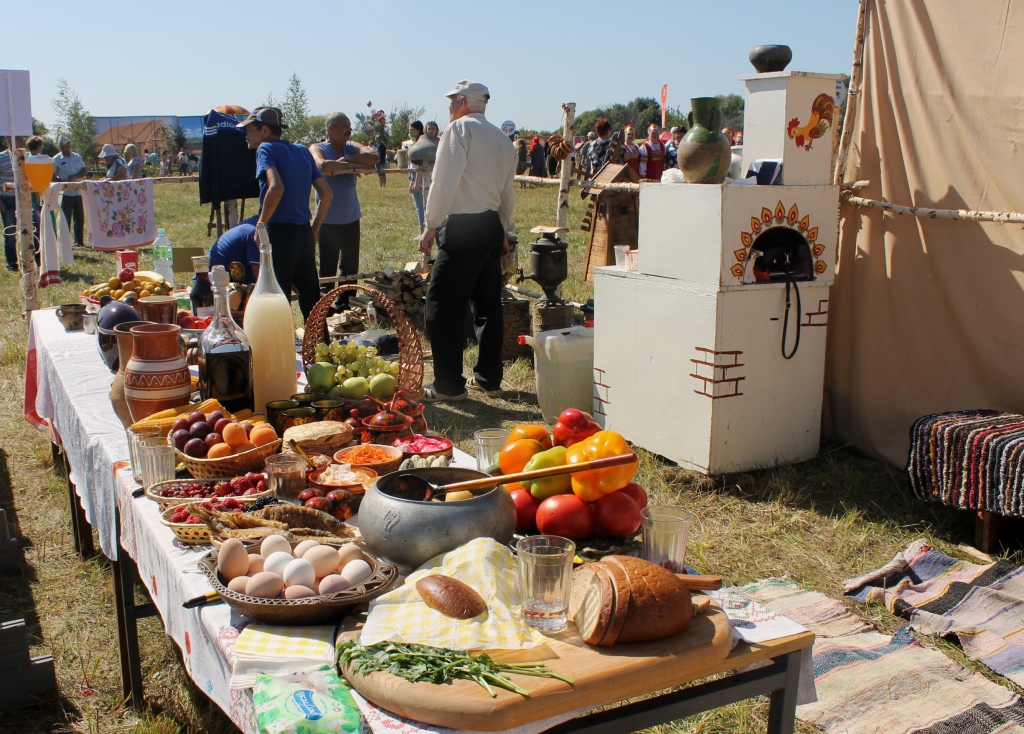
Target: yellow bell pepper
593	484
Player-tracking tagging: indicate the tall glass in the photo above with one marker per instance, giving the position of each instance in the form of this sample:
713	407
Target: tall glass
545	575
286	476
665	530
489	441
135	435
157	460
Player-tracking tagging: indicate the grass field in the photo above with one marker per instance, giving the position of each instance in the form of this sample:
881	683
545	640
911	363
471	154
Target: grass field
819	522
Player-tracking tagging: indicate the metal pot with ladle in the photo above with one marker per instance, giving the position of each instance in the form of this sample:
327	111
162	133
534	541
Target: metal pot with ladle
404	518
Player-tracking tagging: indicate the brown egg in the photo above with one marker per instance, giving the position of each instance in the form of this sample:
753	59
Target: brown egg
298	592
238	584
265	585
255	563
333	583
348	552
324	559
232	560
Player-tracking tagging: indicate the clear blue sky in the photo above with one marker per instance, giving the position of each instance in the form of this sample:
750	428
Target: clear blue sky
181	58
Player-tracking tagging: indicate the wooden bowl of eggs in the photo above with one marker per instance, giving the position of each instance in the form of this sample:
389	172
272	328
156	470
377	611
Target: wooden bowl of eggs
275	580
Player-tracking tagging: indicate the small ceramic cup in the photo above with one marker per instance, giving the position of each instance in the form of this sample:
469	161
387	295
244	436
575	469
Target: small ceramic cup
71	316
158	309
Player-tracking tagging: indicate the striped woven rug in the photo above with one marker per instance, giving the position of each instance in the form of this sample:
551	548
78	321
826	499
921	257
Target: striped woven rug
870	683
983	605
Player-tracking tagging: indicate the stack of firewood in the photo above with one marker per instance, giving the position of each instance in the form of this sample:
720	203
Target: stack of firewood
405	287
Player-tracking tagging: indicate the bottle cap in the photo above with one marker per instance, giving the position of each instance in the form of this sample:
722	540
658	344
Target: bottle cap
201	263
161	232
219	277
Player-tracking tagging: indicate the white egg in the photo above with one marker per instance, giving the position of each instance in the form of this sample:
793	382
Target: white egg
276	562
356	572
299	572
275	544
265	585
238	584
333	583
304	547
349	552
324	559
298	592
256	562
232	560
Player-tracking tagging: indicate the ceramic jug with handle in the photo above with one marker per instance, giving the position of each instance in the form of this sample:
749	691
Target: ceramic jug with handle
705	152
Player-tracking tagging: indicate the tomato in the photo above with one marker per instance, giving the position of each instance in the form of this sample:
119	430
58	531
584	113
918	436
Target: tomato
530	430
638	494
617	514
514	456
566	515
526	510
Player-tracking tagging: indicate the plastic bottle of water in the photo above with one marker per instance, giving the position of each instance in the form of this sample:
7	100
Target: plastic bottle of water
163	256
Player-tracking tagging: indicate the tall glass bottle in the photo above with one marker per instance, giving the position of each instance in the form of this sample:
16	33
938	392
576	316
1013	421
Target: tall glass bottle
268	324
225	355
202	292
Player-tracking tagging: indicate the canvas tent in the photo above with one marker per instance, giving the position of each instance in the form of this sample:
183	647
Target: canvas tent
927	315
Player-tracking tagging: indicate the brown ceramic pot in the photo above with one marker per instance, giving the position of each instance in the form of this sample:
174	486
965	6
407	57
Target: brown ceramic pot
124	352
156	377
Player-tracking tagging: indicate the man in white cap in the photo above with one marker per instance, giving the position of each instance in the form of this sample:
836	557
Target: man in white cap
469	212
68	166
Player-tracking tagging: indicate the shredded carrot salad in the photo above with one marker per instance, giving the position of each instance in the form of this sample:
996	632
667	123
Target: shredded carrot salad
367	454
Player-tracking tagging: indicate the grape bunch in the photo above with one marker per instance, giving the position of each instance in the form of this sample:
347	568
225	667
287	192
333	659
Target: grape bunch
355	361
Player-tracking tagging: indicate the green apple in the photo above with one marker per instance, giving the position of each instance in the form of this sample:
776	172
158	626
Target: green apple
338	391
383	386
356	387
321	376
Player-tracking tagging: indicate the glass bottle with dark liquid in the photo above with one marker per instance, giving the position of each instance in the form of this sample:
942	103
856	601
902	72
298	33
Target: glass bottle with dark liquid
225	356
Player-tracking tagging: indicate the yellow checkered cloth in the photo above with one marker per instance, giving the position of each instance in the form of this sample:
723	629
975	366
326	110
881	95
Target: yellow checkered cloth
483	564
269	642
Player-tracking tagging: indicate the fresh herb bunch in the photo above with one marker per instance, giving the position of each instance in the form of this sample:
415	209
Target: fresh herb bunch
422	664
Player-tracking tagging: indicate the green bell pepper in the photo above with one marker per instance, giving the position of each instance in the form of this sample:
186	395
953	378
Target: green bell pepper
546	487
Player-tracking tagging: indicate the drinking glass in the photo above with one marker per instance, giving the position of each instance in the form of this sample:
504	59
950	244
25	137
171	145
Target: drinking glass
545	574
135	435
157	460
489	441
664	536
286	476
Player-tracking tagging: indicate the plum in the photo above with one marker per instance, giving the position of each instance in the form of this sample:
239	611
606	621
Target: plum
195	448
212	438
180	438
179	424
213	417
247	427
200	429
218	426
195	416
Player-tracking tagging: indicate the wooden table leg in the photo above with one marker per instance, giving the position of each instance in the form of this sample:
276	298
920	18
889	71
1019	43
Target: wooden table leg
81	531
782	709
127	628
986	531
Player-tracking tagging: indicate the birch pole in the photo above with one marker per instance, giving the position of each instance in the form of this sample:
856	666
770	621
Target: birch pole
562	213
853	98
26	250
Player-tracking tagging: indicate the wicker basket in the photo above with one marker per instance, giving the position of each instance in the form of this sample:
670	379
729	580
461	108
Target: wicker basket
311	610
153	493
188	533
229	466
410	351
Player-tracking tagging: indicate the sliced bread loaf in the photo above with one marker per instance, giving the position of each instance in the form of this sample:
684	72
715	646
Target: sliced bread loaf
659	603
594	612
620	607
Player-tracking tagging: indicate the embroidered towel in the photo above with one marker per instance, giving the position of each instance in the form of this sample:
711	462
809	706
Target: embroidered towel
120	213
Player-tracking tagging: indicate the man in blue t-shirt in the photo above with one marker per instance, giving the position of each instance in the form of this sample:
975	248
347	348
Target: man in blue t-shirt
238	245
286	172
339	159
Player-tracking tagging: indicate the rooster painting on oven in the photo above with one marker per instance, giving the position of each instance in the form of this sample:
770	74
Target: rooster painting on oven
822	110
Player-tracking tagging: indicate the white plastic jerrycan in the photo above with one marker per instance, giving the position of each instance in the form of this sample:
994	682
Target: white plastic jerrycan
565	369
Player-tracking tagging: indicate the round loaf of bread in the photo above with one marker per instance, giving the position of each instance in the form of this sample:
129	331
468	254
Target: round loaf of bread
659	603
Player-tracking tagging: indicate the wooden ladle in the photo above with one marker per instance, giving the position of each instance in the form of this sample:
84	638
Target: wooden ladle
415	487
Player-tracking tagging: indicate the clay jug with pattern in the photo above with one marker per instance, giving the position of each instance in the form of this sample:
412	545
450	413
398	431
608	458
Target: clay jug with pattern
705	152
125	343
156	377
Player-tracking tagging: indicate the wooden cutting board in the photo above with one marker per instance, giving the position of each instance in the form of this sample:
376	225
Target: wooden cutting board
602	674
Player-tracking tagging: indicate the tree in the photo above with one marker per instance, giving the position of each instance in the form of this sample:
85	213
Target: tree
732	111
309	131
397	128
172	138
74	121
296	110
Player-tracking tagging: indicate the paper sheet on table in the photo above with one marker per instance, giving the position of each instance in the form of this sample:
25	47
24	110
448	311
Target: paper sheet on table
753	622
483	564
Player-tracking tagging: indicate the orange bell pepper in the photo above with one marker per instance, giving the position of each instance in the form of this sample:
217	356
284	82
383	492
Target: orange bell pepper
593	484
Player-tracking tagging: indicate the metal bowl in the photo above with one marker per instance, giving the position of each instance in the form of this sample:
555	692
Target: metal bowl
410	533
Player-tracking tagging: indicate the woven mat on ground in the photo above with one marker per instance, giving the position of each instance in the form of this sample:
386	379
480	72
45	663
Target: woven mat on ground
983	605
868	682
971	459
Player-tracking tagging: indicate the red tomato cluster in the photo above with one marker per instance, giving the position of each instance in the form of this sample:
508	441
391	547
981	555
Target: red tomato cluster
187	321
616	514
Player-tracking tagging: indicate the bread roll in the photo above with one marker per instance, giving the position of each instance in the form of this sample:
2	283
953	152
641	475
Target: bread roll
450	596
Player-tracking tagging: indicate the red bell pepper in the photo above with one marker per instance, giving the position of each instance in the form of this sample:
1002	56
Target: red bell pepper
574	426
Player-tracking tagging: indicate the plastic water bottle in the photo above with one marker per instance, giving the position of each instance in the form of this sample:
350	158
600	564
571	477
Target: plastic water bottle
163	256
